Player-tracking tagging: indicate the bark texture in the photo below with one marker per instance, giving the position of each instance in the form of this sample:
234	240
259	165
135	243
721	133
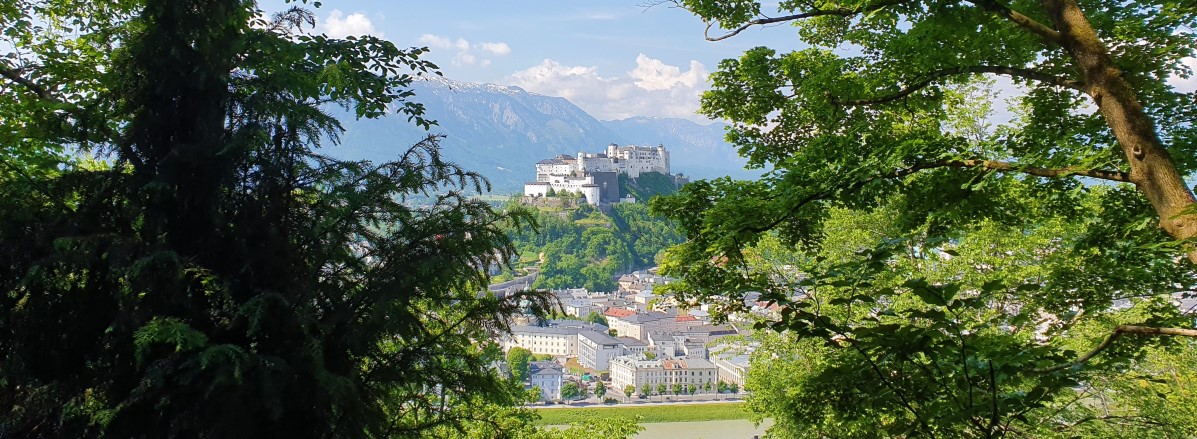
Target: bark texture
1151	167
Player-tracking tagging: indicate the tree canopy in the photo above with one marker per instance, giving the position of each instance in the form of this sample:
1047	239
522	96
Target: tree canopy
210	272
939	272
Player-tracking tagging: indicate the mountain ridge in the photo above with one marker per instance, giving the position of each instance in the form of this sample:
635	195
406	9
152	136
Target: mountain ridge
502	131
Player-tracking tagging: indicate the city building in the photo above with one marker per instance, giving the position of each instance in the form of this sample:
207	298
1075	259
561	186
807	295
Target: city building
546	375
596	349
636	371
557	338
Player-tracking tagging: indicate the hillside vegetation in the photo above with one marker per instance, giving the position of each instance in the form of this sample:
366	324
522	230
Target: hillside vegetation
646	186
585	248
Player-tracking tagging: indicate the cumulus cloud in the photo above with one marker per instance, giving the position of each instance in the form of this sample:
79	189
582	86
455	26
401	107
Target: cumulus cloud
651	88
339	25
466	53
464	59
435	41
498	49
1186	84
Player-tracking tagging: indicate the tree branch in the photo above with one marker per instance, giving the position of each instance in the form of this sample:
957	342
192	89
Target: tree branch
15	76
992	165
842	12
999	166
1028	23
939	74
1118	331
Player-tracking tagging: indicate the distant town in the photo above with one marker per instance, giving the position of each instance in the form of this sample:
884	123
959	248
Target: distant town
650	349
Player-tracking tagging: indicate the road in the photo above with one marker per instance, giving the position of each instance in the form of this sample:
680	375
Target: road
624	402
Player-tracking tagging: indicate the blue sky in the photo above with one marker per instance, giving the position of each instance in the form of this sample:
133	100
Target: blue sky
614	58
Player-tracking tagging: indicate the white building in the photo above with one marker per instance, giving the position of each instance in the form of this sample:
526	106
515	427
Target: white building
546	375
628	370
559	338
595	350
565	173
583	185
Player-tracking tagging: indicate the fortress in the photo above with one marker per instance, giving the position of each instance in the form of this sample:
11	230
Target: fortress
596	176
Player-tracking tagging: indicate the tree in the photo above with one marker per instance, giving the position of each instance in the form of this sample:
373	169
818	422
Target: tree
600	389
691	389
706	387
518	359
596	318
661	388
534	394
1064	50
551	193
898	230
646	389
678	388
733	388
629	389
650	355
722	387
570	390
216	275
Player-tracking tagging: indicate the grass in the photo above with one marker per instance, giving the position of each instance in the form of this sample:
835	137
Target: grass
648	413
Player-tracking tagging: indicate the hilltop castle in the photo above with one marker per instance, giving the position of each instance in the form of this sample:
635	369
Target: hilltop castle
596	176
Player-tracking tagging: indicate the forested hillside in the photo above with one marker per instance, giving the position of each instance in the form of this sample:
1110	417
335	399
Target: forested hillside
587	248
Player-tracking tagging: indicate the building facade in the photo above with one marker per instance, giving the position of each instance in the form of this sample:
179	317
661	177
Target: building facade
547	376
559	338
595	350
595	175
628	370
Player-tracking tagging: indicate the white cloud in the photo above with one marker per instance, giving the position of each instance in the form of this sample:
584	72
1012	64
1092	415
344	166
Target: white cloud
338	25
1186	84
464	58
464	52
435	41
652	88
652	74
499	48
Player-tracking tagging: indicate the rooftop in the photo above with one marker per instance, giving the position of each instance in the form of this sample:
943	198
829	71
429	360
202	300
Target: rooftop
544	368
619	312
599	338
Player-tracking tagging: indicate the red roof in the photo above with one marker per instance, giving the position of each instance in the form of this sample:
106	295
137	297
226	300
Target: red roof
619	312
686	318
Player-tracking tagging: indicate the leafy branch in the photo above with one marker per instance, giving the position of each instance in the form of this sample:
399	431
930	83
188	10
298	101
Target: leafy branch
1118	331
953	71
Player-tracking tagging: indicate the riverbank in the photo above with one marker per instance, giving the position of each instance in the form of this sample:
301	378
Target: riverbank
654	413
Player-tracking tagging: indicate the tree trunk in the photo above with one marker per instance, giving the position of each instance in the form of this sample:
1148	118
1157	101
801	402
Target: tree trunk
1151	167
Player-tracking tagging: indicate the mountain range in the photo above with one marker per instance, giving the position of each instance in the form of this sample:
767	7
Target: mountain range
501	132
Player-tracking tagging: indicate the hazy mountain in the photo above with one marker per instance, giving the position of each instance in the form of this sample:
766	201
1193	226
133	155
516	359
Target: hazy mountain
501	132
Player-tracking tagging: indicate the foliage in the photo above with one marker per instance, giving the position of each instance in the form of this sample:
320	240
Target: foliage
600	389
216	275
937	275
570	390
628	390
587	249
647	186
518	359
596	318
